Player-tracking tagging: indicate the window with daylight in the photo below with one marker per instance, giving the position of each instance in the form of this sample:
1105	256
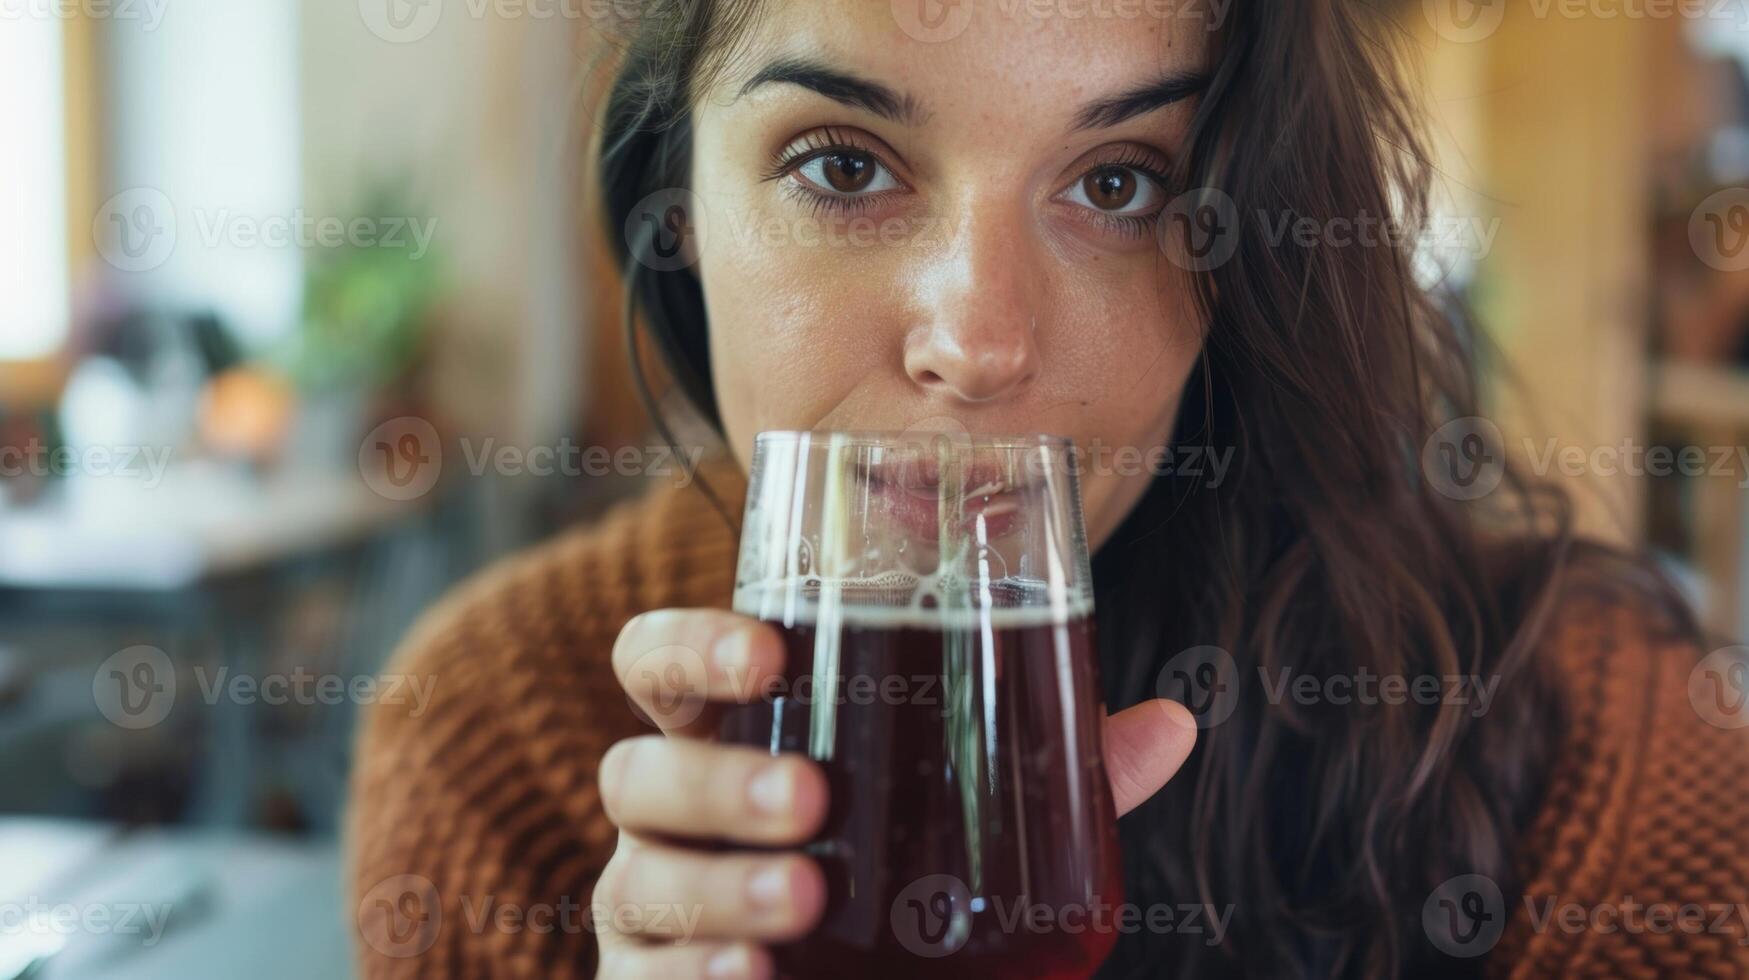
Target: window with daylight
33	189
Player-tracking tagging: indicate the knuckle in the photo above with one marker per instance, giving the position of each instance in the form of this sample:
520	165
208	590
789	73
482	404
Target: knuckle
610	886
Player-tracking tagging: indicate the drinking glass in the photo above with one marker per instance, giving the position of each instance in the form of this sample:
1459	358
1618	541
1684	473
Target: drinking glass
936	604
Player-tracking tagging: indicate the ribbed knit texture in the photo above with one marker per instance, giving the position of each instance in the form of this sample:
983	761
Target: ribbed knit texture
476	829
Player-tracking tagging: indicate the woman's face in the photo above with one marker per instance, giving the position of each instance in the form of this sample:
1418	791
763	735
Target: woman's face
910	233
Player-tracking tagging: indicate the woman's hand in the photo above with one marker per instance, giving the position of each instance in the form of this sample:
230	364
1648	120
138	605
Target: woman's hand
671	902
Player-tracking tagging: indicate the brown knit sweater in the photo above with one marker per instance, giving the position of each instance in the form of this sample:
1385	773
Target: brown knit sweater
476	830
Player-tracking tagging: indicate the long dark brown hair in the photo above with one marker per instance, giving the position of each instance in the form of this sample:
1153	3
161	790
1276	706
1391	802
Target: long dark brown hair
1326	549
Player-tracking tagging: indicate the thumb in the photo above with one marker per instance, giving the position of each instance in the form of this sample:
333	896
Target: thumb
1144	746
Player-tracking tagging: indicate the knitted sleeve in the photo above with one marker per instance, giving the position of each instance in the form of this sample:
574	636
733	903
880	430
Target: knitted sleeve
1638	865
476	831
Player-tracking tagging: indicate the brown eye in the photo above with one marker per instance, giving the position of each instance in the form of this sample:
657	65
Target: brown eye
1110	188
842	173
847	173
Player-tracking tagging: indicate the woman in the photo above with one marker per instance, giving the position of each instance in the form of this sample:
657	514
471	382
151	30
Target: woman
1028	263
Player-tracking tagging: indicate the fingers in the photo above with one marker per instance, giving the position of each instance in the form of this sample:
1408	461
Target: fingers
686	788
1144	746
657	893
707	961
674	662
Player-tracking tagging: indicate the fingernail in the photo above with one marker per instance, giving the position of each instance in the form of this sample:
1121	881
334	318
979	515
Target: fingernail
730	964
767	888
772	791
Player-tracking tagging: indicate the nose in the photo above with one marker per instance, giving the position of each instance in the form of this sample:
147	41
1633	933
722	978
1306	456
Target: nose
978	341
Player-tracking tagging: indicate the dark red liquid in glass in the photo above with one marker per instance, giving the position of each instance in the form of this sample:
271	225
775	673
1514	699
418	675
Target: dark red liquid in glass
971	832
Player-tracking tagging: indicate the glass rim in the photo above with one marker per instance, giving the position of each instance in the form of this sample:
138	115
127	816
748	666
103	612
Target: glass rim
883	438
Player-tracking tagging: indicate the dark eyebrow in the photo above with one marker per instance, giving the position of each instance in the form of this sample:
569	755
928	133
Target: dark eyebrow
841	87
1141	100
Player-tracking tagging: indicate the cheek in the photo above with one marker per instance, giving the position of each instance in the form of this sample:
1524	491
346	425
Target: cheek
796	325
1144	338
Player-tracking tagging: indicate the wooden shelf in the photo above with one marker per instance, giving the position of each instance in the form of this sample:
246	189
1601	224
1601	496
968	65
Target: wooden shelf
1711	402
1711	396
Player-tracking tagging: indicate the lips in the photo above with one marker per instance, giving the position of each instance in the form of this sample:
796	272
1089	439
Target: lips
910	493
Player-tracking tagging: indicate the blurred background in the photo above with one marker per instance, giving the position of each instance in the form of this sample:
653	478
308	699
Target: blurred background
281	283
